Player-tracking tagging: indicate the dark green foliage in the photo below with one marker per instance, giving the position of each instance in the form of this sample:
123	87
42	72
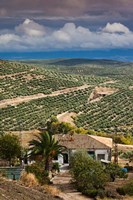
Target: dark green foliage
53	126
113	170
10	147
88	174
126	189
56	167
113	113
45	147
128	155
129	168
32	113
90	192
123	139
38	170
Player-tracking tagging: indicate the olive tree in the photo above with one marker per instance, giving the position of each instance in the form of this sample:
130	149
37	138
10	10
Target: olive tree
87	173
10	147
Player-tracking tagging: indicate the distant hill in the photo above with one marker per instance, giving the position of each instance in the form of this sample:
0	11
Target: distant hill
78	61
98	92
71	62
109	68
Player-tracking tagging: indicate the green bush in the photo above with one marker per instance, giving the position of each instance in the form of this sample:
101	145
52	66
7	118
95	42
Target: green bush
90	192
126	189
56	166
113	170
121	191
87	173
10	148
38	170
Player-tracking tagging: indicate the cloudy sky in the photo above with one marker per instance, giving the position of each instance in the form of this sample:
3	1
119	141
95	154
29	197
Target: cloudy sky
70	25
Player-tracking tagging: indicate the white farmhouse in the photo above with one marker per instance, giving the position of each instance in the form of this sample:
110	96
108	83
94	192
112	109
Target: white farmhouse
99	148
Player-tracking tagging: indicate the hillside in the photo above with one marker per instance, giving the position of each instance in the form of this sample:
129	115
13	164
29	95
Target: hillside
98	93
15	191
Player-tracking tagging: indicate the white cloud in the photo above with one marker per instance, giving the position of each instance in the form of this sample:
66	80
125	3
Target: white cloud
116	27
31	28
31	36
8	38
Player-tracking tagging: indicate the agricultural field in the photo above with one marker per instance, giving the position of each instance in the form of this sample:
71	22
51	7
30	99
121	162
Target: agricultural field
99	93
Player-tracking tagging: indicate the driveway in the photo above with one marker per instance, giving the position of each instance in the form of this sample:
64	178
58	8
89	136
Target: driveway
63	182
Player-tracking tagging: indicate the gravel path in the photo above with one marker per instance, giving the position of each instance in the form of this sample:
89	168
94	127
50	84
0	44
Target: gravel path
68	191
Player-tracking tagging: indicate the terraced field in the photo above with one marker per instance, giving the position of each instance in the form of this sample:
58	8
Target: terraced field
101	95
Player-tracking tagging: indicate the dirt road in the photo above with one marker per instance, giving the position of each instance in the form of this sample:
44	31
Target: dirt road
63	183
21	99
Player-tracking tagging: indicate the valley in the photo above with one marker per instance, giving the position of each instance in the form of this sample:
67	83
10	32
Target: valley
99	93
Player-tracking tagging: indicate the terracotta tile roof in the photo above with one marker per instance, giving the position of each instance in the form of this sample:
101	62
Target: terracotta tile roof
104	140
124	148
82	141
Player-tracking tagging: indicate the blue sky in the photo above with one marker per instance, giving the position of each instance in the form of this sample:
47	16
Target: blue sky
66	28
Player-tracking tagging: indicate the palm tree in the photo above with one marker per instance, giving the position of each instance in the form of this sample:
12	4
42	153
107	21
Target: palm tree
46	147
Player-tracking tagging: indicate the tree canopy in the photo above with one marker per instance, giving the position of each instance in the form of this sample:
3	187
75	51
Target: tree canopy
10	147
46	147
88	174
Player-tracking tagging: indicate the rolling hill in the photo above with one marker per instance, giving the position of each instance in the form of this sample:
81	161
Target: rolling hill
98	93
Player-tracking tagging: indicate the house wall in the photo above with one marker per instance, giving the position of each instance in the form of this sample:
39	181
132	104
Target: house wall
103	151
106	152
60	159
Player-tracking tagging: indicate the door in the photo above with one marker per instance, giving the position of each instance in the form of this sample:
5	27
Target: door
65	158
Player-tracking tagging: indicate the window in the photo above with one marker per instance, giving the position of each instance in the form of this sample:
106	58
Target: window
55	158
100	156
92	154
65	158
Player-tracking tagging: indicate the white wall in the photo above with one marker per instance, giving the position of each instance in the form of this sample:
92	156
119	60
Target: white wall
98	151
60	159
70	153
104	151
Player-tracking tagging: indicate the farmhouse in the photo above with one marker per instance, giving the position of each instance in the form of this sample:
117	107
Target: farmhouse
97	147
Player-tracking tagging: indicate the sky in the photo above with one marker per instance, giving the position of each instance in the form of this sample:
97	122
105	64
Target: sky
67	26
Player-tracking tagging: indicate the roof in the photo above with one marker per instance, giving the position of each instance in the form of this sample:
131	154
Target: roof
104	140
84	141
124	148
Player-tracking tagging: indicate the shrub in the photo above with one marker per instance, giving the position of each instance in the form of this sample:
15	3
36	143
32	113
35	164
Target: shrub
121	191
113	170
126	189
2	173
52	190
88	174
129	168
101	193
28	179
128	155
38	170
10	147
56	166
90	192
